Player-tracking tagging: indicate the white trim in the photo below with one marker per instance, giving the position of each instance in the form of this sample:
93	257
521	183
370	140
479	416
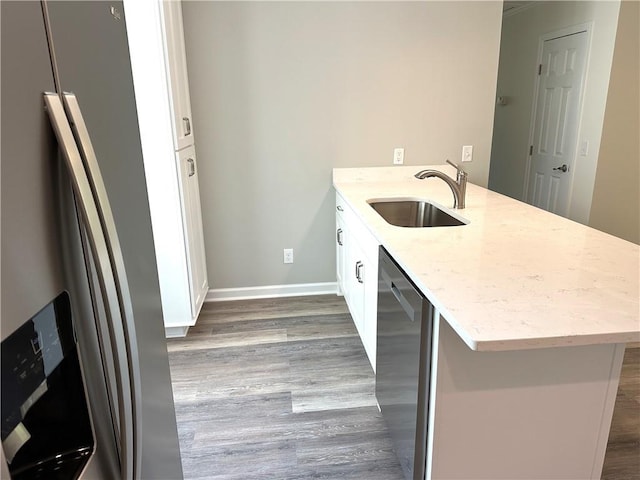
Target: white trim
176	332
270	291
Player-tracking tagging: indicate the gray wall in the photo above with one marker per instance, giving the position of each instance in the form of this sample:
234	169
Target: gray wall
516	80
616	194
283	92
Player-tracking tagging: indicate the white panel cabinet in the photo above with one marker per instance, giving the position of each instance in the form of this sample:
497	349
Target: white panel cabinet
180	101
357	274
192	224
156	45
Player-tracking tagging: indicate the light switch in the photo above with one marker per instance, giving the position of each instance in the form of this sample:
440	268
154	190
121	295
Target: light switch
584	148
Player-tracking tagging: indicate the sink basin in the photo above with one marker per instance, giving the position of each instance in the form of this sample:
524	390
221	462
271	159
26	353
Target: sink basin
413	213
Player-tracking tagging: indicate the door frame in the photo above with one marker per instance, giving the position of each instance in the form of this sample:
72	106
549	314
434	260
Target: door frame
563	32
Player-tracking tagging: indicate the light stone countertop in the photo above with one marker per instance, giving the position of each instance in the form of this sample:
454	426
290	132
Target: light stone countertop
516	277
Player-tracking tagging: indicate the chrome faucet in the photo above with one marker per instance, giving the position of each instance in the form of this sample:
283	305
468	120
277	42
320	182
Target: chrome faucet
458	186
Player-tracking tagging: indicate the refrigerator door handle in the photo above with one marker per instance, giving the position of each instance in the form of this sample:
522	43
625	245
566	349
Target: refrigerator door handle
113	288
94	175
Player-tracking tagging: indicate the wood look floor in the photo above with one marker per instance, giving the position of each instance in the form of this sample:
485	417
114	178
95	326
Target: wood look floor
278	389
282	389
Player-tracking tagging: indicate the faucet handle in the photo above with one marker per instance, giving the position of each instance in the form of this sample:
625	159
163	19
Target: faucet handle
455	165
462	175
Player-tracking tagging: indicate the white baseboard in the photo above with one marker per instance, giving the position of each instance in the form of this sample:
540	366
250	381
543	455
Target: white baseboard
270	291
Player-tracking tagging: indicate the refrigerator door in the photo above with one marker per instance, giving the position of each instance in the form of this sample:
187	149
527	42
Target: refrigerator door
106	259
41	251
92	61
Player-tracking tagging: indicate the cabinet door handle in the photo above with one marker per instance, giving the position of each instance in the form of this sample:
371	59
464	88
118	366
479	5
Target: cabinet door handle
339	236
187	126
339	208
192	167
359	266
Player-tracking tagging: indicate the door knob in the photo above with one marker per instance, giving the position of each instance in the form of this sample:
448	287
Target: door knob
563	168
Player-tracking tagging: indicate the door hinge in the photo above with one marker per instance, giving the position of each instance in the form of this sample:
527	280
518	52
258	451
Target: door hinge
530	150
540	69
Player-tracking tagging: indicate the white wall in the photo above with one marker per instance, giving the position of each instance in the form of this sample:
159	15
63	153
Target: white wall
282	92
616	194
521	34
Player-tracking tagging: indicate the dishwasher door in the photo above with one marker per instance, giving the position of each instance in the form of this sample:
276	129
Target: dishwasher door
405	320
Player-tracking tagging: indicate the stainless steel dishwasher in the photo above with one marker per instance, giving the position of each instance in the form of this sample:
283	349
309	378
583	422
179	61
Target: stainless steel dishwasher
405	323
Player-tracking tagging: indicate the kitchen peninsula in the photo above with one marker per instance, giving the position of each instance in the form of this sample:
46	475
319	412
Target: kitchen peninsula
533	313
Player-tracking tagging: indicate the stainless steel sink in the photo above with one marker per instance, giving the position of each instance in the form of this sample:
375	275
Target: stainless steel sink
413	213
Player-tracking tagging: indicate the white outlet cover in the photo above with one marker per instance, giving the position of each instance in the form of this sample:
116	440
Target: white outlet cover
398	156
467	153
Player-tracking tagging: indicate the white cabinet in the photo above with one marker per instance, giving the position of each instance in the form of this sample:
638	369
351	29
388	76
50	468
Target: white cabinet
192	224
370	293
156	46
357	273
180	101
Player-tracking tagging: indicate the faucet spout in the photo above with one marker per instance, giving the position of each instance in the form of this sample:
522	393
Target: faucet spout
458	186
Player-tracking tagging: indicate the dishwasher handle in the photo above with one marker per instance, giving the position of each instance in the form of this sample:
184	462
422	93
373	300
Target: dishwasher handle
402	300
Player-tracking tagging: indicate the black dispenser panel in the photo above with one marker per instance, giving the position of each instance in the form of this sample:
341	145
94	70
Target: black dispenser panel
46	428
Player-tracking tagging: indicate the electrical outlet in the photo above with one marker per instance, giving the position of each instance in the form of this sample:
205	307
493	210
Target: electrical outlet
288	255
467	153
398	156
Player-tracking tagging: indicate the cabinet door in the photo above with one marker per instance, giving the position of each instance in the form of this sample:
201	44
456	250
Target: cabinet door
341	250
355	274
363	296
371	308
177	65
192	222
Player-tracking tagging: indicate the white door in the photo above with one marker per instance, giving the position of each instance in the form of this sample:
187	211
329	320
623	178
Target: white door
556	122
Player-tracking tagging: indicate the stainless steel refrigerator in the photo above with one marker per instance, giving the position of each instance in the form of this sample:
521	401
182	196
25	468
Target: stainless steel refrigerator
86	388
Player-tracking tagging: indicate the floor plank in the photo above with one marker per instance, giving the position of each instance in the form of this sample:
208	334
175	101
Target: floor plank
282	389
